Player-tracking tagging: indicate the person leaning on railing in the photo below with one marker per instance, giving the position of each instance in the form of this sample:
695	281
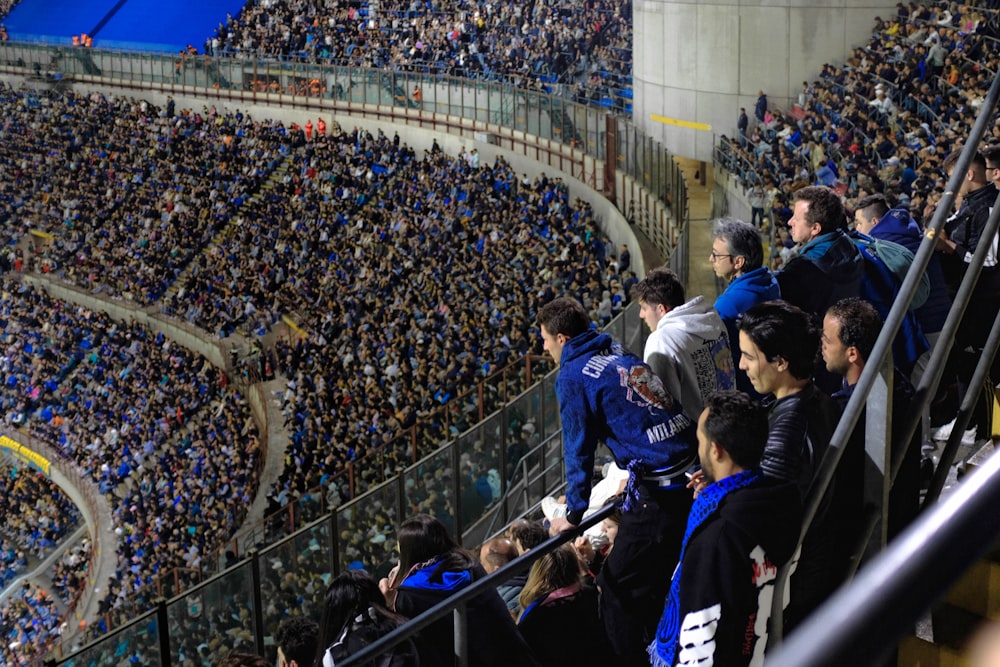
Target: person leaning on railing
431	567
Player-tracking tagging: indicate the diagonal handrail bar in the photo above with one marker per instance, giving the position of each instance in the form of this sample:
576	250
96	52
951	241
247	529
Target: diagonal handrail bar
894	589
459	599
883	347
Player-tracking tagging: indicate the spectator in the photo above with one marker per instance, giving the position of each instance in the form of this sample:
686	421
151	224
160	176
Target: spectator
743	527
828	267
850	329
493	555
757	198
780	346
688	347
555	599
760	109
526	535
354	617
738	257
241	659
297	641
958	240
432	567
649	436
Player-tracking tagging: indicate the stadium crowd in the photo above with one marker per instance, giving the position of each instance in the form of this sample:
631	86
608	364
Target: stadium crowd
350	242
127	404
120	194
403	352
532	45
34	516
73	376
29	622
882	122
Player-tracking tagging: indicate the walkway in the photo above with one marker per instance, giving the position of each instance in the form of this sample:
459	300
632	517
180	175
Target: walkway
701	277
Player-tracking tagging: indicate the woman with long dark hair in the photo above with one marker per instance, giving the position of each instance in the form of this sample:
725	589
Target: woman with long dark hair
432	567
354	617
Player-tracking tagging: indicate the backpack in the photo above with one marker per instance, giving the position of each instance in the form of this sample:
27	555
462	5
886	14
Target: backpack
880	287
898	259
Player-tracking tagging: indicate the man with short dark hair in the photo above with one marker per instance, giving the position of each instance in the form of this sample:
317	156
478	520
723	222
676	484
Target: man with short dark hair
780	344
962	231
688	347
493	555
738	257
873	217
526	535
828	267
742	528
296	640
608	394
958	240
850	329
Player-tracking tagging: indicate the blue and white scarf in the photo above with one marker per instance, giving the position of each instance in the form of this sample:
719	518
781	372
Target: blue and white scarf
663	649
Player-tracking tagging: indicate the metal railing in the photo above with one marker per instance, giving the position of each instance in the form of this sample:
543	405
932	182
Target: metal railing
147	634
873	393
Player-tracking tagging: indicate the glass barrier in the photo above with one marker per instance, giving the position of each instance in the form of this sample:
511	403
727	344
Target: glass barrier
523	416
217	616
137	643
430	487
294	575
479	469
550	407
366	528
295	572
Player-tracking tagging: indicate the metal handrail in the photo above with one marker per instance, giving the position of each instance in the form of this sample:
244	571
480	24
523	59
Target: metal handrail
892	592
880	355
458	601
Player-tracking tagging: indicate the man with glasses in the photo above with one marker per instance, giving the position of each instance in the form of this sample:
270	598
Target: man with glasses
738	258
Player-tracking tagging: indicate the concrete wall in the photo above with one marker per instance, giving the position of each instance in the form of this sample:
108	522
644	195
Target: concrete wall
701	60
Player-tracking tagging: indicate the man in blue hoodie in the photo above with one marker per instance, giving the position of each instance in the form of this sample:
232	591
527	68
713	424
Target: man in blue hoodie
738	257
606	394
873	217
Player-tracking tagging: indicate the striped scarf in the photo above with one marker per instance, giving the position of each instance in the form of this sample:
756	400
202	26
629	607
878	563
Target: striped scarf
664	648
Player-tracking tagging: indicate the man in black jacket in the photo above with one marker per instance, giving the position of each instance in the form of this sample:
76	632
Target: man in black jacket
828	267
743	526
780	344
958	240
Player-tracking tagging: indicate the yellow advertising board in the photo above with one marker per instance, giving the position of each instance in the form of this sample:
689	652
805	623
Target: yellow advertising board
22	453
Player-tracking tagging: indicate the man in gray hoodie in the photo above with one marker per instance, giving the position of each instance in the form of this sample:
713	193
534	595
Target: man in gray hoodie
688	347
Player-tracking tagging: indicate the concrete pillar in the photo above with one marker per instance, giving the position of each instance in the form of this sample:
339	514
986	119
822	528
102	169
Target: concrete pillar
701	60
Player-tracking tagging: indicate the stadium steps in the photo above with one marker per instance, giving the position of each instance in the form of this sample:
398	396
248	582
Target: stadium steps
279	173
971	602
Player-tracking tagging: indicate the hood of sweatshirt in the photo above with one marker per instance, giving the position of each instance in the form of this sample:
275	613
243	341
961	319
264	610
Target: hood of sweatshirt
770	512
835	255
697	317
